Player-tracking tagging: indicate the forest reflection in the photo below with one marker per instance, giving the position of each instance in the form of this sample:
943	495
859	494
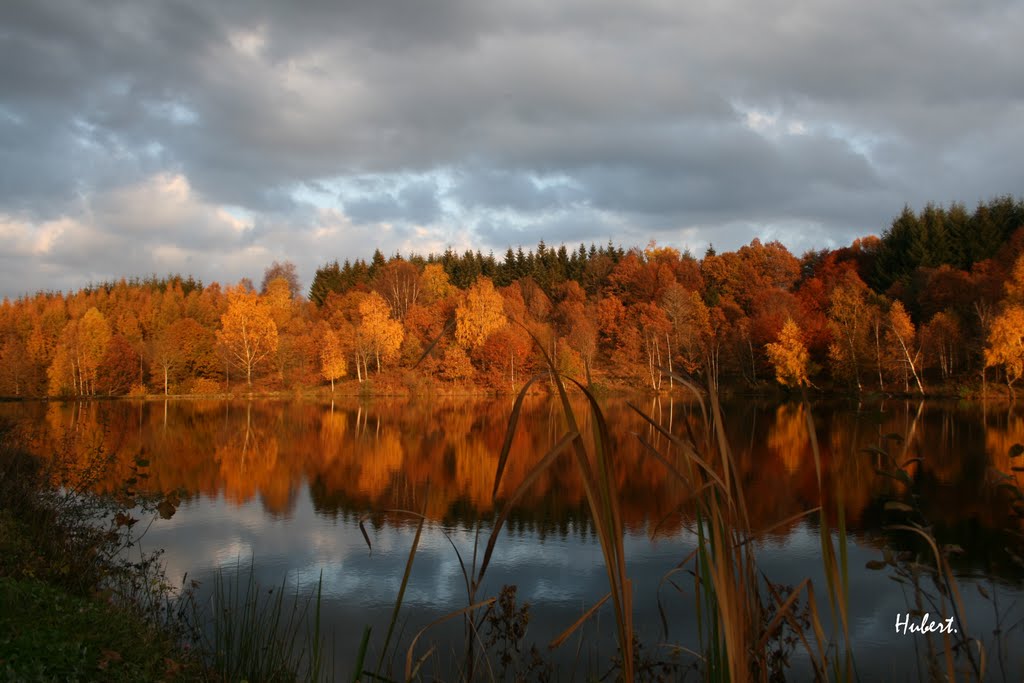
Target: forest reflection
357	457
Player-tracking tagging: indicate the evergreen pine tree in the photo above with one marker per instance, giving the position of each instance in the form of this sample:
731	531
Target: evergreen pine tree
328	279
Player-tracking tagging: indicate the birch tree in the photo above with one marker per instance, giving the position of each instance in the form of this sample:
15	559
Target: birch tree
248	332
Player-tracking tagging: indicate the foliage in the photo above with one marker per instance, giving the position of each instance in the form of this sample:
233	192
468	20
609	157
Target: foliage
1006	343
119	367
381	334
479	315
286	273
248	332
332	357
76	608
53	635
916	304
790	357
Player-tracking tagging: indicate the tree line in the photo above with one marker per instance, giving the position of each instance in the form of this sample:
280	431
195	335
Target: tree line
937	300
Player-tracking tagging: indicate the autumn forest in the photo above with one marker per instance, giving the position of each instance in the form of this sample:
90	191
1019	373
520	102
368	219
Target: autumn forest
934	305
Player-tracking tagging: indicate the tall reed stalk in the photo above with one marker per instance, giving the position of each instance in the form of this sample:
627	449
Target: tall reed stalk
737	622
739	613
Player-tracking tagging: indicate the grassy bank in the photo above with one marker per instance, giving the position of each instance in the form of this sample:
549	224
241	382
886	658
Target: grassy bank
74	608
80	602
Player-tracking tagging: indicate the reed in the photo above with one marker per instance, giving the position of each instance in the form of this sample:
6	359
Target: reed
738	614
909	568
257	634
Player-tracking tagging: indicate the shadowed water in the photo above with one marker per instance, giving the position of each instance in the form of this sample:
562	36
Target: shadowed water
286	483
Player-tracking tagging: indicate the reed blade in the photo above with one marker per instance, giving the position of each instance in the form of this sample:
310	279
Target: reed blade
513	422
523	486
401	591
437	622
567	633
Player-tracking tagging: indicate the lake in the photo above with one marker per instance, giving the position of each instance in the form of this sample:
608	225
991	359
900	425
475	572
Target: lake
284	486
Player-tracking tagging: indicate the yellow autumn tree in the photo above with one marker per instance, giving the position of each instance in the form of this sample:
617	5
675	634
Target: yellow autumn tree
248	332
789	356
93	337
1006	344
848	313
332	357
902	331
482	313
280	302
434	282
381	334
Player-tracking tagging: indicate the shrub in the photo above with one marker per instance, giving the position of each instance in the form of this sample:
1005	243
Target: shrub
204	385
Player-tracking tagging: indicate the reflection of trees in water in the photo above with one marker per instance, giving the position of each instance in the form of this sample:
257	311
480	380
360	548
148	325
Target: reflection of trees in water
789	437
249	461
1000	439
363	456
333	429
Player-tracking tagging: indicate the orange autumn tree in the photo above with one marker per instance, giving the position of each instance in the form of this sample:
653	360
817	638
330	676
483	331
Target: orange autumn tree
93	338
381	334
62	373
1006	344
903	333
789	356
1006	333
332	357
848	314
248	332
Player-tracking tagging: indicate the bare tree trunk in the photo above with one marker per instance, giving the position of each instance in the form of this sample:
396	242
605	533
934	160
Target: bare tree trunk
910	362
878	357
668	351
753	363
853	361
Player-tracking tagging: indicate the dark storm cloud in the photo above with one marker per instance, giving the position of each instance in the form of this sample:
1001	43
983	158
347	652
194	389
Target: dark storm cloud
248	126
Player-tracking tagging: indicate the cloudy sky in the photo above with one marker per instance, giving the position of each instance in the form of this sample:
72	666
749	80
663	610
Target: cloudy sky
212	138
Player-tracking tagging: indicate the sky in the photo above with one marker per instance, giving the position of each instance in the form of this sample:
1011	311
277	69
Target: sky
212	137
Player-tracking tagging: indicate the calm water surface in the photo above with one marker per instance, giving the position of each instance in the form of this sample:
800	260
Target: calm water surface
283	485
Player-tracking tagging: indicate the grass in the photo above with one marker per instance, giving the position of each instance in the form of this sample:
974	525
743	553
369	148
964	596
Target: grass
75	606
251	633
49	634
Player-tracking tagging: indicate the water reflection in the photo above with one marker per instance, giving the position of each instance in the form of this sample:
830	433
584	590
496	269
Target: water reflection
357	456
287	481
